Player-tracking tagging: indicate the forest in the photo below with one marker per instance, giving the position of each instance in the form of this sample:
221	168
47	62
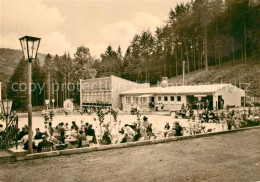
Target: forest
202	33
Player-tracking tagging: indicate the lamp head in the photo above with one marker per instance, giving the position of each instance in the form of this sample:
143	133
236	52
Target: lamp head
30	46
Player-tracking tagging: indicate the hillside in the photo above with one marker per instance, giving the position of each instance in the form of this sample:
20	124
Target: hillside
9	59
247	74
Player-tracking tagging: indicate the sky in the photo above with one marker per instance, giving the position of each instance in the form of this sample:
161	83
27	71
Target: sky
64	25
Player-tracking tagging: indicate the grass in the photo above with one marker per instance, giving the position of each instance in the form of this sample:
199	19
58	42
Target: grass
229	157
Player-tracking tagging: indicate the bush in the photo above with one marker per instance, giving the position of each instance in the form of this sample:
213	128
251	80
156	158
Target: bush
250	123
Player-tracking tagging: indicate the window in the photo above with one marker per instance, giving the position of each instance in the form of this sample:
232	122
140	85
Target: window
165	98
143	100
172	98
178	98
159	98
135	100
128	100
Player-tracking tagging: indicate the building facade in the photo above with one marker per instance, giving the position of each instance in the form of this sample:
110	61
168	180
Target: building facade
216	96
124	94
105	91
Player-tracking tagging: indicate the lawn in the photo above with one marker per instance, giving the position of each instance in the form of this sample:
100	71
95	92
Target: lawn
229	157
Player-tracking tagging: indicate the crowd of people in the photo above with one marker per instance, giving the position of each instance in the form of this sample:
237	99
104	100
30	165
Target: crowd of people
69	135
66	135
60	136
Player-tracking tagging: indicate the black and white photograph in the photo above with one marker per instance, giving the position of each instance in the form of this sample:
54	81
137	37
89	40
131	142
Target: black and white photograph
129	90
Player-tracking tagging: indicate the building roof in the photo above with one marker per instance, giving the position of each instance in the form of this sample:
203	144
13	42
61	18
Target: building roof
187	89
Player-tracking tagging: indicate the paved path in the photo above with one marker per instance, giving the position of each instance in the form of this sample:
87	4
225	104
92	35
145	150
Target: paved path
229	157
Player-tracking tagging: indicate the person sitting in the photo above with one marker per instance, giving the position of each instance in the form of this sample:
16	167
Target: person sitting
134	126
44	144
25	143
61	132
244	115
183	107
230	123
149	130
50	129
38	134
233	113
211	116
81	137
106	139
56	127
145	123
22	133
129	130
61	128
191	112
82	125
75	126
73	133
126	138
86	128
187	114
67	126
2	130
178	129
251	117
91	132
205	116
166	127
137	135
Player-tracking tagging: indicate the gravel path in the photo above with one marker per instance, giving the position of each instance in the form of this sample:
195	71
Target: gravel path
229	157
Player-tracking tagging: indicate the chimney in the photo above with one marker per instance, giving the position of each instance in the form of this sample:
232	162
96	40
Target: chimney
164	82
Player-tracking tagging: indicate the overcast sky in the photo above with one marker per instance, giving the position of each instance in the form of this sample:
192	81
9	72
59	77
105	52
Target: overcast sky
66	25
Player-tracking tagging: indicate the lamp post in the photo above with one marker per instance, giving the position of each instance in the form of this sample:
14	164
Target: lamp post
47	102
30	46
52	100
183	72
111	101
6	108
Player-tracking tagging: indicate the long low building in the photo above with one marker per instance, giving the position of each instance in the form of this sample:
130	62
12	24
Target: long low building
216	96
124	94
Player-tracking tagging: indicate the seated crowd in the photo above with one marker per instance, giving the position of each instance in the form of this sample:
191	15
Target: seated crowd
59	137
65	136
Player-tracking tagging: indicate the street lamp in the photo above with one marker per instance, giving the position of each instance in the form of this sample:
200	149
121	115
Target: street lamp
30	46
6	108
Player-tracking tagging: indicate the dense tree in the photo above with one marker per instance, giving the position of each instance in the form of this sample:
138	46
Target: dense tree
18	86
201	33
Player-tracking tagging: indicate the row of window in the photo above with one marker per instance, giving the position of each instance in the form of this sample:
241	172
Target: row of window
144	99
136	100
96	97
172	98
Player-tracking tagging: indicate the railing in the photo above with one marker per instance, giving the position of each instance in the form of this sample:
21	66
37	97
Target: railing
9	136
